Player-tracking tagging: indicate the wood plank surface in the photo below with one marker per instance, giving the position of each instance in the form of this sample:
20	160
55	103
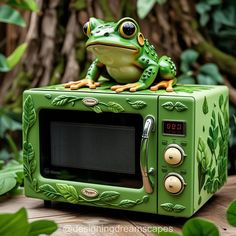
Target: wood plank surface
75	220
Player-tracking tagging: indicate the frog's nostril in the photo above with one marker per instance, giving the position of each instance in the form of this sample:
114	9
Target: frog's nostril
106	34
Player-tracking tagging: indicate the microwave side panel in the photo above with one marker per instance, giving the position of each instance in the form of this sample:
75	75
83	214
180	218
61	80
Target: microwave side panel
211	152
176	133
37	186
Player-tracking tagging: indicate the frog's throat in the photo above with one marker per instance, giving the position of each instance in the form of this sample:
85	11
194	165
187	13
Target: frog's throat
132	48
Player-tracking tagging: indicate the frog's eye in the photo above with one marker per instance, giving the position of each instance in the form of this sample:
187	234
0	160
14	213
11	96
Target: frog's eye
87	28
127	29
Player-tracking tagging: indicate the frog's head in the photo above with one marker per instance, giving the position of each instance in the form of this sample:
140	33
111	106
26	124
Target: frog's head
121	37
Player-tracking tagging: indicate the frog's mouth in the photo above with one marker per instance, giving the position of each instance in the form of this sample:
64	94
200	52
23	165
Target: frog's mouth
130	48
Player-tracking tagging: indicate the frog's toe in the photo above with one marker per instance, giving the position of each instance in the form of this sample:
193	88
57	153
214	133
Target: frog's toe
73	85
164	84
137	87
121	88
94	85
115	87
67	85
169	89
132	87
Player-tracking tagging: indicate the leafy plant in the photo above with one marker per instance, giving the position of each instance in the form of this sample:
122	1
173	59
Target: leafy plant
10	15
23	4
204	8
8	125
11	177
195	227
231	213
220	19
11	170
193	73
17	224
145	6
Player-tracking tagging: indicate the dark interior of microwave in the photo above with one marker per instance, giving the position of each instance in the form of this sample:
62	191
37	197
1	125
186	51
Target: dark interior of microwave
91	147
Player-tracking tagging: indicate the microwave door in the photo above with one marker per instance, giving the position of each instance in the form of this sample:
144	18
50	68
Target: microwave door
148	128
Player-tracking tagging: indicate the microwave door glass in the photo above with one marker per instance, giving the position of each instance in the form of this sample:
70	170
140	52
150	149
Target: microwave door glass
92	148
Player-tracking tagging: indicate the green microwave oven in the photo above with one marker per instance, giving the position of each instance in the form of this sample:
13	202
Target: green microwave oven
146	151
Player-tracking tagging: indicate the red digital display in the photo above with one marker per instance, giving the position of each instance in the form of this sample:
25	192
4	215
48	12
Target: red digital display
174	127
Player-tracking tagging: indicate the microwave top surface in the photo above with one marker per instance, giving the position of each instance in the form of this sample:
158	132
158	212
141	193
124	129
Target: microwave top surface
185	90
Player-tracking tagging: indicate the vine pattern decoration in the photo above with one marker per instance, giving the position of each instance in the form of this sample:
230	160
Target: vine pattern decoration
170	207
138	105
29	162
106	198
178	106
212	177
94	104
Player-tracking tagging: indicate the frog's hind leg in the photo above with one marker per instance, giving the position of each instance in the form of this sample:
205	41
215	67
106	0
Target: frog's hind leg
167	72
167	84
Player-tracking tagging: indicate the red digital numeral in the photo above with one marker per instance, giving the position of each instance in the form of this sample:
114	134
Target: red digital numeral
179	127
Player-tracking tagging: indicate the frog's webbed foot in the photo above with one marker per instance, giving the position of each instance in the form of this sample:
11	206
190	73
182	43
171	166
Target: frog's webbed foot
167	84
132	87
73	85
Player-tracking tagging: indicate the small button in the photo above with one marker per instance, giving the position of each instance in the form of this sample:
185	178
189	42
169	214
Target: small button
174	184
173	156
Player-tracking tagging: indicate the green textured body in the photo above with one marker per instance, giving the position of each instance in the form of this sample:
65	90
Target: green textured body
204	109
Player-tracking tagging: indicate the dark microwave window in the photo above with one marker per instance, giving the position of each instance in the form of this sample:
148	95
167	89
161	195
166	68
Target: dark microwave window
109	148
89	147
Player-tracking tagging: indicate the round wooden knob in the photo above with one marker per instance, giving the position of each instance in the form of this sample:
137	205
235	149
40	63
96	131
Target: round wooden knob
173	156
174	184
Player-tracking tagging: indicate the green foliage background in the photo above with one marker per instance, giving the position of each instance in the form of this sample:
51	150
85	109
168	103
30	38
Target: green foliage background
216	19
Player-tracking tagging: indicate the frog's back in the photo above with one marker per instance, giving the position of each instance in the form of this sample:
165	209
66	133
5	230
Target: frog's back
150	51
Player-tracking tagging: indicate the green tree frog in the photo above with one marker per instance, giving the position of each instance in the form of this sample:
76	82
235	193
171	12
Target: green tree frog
129	59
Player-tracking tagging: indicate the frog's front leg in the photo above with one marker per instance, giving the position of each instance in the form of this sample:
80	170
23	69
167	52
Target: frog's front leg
145	81
91	78
167	71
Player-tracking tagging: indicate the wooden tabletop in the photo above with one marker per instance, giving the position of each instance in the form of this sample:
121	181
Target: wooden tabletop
77	220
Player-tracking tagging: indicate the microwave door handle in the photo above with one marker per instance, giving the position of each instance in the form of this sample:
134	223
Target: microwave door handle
148	127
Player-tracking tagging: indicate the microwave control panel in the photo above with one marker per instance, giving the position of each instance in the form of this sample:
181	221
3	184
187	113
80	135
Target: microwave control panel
175	152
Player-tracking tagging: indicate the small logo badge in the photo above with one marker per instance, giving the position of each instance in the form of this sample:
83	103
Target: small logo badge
90	101
89	192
